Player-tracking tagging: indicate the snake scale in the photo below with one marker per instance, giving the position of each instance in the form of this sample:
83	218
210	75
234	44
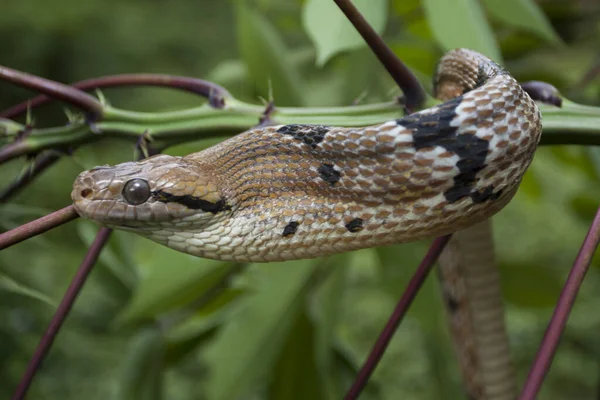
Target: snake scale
301	191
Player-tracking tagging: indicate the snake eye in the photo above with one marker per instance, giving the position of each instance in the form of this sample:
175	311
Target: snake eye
136	191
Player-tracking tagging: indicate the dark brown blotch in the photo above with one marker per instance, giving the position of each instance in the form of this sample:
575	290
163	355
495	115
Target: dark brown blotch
311	135
356	225
329	174
290	229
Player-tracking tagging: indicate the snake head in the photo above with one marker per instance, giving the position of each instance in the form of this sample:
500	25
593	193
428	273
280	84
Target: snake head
159	191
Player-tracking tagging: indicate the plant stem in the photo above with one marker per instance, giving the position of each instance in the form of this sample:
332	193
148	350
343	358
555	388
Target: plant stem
572	124
559	318
90	105
414	95
37	227
215	93
394	321
62	312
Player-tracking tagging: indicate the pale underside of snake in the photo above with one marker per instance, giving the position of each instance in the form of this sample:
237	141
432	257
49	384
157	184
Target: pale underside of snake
303	191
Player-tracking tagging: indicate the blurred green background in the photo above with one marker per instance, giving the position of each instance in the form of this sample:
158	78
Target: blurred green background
152	323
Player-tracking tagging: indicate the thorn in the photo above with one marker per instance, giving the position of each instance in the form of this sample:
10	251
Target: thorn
270	85
143	145
71	116
265	118
360	98
101	98
29	116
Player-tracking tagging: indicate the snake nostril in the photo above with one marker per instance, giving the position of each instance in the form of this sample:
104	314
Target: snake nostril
86	192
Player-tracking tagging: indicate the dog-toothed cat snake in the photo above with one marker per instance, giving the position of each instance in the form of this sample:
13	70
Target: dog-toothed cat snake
302	191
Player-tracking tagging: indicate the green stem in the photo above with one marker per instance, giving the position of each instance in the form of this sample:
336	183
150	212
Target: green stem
572	124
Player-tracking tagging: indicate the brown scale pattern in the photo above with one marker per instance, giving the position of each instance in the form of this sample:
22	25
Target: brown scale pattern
378	174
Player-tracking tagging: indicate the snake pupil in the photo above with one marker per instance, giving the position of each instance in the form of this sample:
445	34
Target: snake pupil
136	191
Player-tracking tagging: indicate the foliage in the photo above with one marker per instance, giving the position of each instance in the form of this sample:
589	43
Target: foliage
153	323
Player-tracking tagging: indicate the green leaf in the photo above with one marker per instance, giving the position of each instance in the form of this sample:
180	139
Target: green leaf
142	374
404	7
327	310
419	56
205	318
267	58
169	280
295	376
584	205
530	285
593	156
247	346
112	255
531	186
199	328
330	30
347	366
10	285
398	265
524	14
229	73
182	343
461	23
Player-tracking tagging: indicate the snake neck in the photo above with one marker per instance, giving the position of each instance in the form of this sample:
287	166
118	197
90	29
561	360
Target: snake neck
461	71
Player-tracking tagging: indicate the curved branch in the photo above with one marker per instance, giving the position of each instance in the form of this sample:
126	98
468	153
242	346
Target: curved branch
215	94
37	226
559	318
59	91
14	150
62	312
394	321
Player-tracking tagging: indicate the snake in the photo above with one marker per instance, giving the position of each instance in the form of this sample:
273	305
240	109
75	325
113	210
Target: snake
298	191
287	192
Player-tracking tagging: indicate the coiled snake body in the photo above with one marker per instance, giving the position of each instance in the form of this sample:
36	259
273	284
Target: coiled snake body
302	191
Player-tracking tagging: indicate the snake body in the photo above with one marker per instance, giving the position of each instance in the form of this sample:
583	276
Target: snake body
472	293
301	191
